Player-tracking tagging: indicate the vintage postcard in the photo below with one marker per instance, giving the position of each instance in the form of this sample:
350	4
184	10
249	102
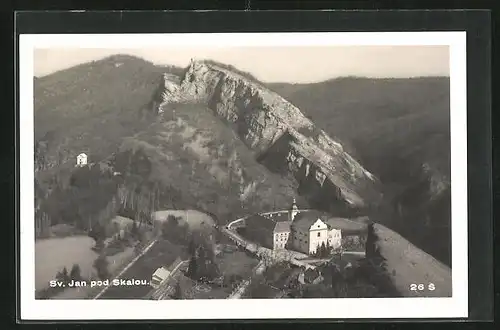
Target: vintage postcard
243	176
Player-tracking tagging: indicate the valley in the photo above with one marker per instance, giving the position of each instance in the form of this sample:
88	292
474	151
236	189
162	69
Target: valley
216	141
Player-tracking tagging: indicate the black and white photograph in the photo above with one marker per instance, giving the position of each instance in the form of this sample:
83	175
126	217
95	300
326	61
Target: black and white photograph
308	169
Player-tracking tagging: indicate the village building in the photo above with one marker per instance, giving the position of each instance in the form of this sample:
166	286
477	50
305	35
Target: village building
306	231
302	231
81	160
310	230
164	272
281	233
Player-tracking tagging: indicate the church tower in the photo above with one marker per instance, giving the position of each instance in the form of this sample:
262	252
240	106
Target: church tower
293	211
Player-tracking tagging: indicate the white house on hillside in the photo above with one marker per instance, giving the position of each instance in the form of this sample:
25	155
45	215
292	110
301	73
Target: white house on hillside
81	159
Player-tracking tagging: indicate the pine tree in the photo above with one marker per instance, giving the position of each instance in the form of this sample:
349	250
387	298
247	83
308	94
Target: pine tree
328	248
65	275
178	293
75	273
101	266
193	267
323	250
371	239
134	231
191	247
62	276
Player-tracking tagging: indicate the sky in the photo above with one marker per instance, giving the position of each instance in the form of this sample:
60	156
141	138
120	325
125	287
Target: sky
294	64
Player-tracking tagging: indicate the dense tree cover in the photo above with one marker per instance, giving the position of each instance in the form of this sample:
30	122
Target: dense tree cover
373	268
202	264
399	130
354	242
361	279
177	231
90	192
323	250
75	273
101	267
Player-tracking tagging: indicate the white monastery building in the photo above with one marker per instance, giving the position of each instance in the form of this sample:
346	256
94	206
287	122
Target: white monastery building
81	159
306	231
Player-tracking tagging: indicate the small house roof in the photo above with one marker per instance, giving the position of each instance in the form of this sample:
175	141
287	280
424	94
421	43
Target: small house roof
349	224
282	227
162	273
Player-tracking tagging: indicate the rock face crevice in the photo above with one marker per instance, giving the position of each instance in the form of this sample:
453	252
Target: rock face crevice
276	131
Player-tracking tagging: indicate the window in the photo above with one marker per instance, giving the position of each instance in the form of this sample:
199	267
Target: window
319	234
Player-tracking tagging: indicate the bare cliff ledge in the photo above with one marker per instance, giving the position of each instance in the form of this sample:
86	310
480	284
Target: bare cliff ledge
277	131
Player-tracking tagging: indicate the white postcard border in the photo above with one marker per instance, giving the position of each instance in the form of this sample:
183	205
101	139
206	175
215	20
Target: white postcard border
345	308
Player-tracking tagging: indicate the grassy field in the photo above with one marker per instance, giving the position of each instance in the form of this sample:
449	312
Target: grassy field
407	265
237	263
195	219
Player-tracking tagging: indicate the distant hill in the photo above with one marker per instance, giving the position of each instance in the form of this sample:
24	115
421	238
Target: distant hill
186	159
199	138
399	130
89	107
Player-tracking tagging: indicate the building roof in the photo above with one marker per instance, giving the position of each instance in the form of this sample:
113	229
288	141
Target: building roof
280	216
282	227
162	273
349	224
304	220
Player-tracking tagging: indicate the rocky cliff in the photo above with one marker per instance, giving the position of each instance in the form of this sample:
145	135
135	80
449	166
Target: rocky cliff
277	131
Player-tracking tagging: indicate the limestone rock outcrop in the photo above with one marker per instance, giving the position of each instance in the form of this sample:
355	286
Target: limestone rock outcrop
277	131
